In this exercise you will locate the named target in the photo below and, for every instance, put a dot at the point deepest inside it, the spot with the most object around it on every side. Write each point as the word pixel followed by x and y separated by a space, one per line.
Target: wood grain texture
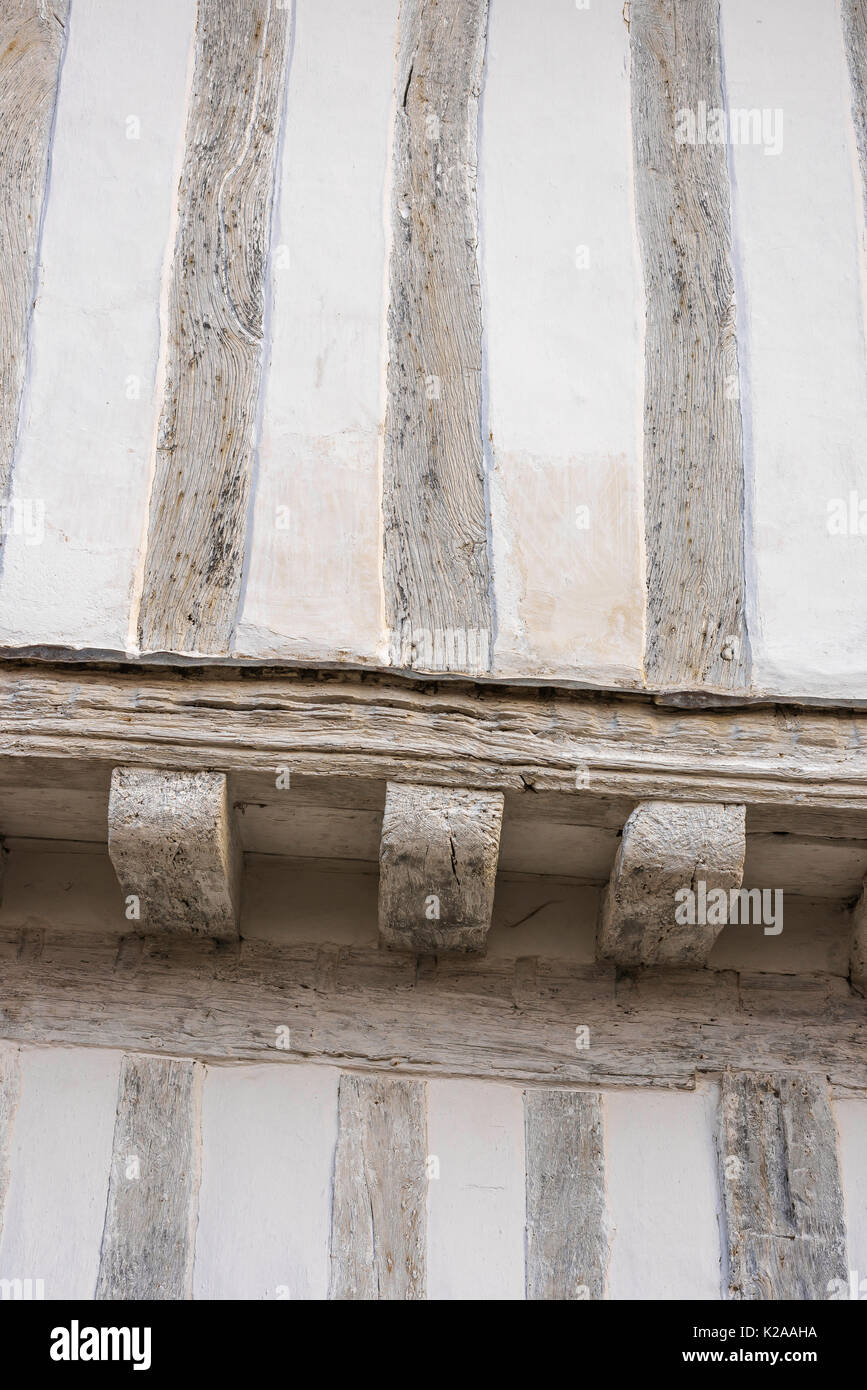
pixel 858 943
pixel 666 847
pixel 437 868
pixel 174 846
pixel 10 1090
pixel 854 17
pixel 696 629
pixel 198 507
pixel 782 1197
pixel 567 1228
pixel 31 48
pixel 436 559
pixel 378 1223
pixel 150 1220
pixel 807 767
pixel 377 1010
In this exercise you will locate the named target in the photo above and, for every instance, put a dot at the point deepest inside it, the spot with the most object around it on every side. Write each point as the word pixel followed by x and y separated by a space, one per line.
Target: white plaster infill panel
pixel 797 223
pixel 82 472
pixel 313 580
pixel 562 304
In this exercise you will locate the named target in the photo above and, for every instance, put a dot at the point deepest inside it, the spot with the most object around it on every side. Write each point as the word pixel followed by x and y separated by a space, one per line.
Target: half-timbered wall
pixel 469 335
pixel 433 537
pixel 292 1181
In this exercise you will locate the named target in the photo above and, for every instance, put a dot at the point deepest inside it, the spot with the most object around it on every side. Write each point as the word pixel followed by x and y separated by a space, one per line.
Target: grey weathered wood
pixel 854 16
pixel 31 47
pixel 378 1010
pixel 858 943
pixel 10 1091
pixel 567 1224
pixel 437 868
pixel 150 1221
pixel 199 500
pixel 808 763
pixel 436 559
pixel 667 846
pixel 782 1196
pixel 693 459
pixel 174 845
pixel 378 1218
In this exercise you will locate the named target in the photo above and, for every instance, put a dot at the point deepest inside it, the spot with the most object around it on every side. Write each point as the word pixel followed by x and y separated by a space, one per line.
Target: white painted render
pixel 663 1194
pixel 564 370
pixel 60 1162
pixel 268 1137
pixel 94 388
pixel 476 1197
pixel 313 586
pixel 851 1118
pixel 798 216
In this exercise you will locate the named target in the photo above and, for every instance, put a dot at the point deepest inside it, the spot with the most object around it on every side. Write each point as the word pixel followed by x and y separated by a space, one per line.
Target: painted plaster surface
pixel 313 583
pixel 86 436
pixel 797 219
pixel 563 308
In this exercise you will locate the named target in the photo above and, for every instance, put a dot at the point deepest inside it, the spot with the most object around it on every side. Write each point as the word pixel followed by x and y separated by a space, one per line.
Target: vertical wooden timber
pixel 434 508
pixel 198 507
pixel 782 1195
pixel 31 46
pixel 567 1234
pixel 10 1090
pixel 379 1219
pixel 693 457
pixel 854 13
pixel 150 1219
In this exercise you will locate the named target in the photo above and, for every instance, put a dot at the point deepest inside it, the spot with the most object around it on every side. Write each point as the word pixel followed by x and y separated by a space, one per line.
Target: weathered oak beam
pixel 811 763
pixel 785 1234
pixel 693 453
pixel 854 16
pixel 378 1215
pixel 567 1224
pixel 198 508
pixel 175 849
pixel 858 943
pixel 667 847
pixel 150 1222
pixel 377 1011
pixel 436 560
pixel 437 867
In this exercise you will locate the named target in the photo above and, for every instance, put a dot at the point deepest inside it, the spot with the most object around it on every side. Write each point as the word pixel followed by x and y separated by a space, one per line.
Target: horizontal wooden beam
pixel 669 850
pixel 374 1010
pixel 461 735
pixel 437 868
pixel 175 850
